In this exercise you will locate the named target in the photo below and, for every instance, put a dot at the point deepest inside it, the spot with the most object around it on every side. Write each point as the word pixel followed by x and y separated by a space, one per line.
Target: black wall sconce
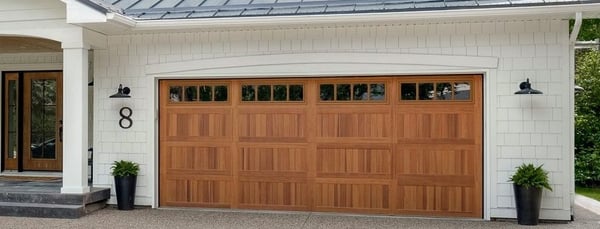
pixel 526 89
pixel 122 92
pixel 125 112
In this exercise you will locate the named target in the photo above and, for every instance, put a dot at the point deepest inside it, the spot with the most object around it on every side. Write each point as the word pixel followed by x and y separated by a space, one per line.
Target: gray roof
pixel 188 9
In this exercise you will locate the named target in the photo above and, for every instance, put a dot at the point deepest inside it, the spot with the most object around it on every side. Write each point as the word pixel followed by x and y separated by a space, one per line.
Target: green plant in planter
pixel 528 182
pixel 124 168
pixel 528 175
pixel 125 173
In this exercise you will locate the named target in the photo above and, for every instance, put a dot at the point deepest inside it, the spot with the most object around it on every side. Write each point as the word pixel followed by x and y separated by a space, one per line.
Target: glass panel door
pixel 42 121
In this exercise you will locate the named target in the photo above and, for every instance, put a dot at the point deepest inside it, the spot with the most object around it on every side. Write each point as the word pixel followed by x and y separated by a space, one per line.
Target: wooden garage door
pixel 389 145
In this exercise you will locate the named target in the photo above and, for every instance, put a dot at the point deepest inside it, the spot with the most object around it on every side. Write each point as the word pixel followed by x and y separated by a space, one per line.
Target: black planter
pixel 528 202
pixel 125 189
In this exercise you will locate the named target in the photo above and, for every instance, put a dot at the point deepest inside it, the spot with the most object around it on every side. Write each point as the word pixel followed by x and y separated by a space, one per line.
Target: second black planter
pixel 125 190
pixel 528 201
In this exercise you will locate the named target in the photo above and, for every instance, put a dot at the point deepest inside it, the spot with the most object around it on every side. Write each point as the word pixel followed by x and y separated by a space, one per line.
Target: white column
pixel 75 120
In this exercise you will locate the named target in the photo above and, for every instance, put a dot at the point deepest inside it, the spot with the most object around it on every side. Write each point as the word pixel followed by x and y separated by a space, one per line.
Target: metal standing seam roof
pixel 189 9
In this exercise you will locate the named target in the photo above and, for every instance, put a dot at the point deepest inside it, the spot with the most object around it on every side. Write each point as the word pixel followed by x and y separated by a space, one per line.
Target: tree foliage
pixel 587 118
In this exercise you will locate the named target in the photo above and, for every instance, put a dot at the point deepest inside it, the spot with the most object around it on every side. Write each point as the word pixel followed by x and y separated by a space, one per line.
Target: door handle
pixel 60 130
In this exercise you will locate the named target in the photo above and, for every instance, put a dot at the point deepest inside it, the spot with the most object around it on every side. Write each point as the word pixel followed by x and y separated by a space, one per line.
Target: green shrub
pixel 124 168
pixel 528 175
pixel 587 168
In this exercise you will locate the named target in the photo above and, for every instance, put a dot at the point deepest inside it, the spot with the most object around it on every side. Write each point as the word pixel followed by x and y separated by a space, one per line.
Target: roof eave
pixel 592 9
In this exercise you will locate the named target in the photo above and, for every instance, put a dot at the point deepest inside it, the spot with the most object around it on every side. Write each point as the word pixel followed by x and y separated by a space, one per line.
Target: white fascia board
pixel 78 12
pixel 555 11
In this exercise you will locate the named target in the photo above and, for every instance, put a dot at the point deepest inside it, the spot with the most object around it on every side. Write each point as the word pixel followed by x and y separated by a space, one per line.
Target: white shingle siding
pixel 518 128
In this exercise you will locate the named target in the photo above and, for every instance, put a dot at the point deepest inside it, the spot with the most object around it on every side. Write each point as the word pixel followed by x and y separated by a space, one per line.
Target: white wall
pixel 517 128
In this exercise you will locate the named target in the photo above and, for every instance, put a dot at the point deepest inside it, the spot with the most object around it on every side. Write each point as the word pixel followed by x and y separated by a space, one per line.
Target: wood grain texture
pixel 386 156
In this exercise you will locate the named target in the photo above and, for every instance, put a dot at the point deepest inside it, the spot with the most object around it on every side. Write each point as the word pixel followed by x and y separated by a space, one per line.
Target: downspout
pixel 571 93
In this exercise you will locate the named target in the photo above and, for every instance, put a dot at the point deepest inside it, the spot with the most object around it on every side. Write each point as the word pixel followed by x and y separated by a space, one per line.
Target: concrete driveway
pixel 194 218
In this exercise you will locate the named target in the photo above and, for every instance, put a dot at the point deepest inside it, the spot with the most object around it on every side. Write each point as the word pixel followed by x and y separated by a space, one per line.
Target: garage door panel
pixel 272 126
pixel 358 161
pixel 272 159
pixel 354 124
pixel 438 127
pixel 435 161
pixel 352 197
pixel 198 192
pixel 198 159
pixel 275 194
pixel 439 200
pixel 198 124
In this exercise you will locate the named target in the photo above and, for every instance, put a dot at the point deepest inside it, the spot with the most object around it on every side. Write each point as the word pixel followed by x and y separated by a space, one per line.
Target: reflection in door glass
pixel 443 91
pixel 425 91
pixel 408 91
pixel 248 93
pixel 377 91
pixel 326 92
pixel 175 94
pixel 296 92
pixel 221 93
pixel 279 92
pixel 462 91
pixel 43 119
pixel 360 92
pixel 191 93
pixel 343 92
pixel 205 93
pixel 264 93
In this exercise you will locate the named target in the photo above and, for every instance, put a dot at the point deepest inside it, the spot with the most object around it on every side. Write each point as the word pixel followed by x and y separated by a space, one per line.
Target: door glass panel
pixel 443 91
pixel 408 91
pixel 205 93
pixel 43 119
pixel 326 92
pixel 12 119
pixel 248 93
pixel 425 91
pixel 462 91
pixel 175 94
pixel 264 93
pixel 280 92
pixel 361 92
pixel 377 91
pixel 221 93
pixel 343 92
pixel 296 92
pixel 191 93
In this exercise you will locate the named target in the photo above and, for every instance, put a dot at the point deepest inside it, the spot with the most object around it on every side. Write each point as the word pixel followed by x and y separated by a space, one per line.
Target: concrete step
pixel 95 195
pixel 41 210
pixel 52 205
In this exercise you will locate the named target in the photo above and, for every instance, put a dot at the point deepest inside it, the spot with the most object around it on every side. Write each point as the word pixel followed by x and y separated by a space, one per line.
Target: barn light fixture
pixel 122 92
pixel 526 89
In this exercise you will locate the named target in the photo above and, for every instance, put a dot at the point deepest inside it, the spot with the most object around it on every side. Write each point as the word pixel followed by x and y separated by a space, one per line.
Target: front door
pixel 33 121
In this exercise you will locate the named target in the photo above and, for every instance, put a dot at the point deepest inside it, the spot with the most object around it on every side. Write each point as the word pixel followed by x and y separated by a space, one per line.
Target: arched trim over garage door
pixel 331 63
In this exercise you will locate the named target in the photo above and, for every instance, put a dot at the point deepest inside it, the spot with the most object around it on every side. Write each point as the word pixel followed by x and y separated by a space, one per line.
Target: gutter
pixel 227 22
pixel 576 28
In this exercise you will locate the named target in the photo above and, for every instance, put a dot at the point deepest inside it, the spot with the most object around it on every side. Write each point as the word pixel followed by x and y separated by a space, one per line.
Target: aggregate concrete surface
pixel 148 218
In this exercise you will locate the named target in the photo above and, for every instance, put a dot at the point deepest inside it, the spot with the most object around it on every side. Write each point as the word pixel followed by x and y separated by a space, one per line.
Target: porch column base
pixel 75 190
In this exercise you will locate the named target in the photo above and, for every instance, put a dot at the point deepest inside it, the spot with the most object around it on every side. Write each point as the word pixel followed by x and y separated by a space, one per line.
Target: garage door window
pixel 358 92
pixel 272 93
pixel 425 91
pixel 198 93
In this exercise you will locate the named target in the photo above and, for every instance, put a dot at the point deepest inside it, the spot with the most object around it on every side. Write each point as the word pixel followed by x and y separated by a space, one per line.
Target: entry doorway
pixel 32 121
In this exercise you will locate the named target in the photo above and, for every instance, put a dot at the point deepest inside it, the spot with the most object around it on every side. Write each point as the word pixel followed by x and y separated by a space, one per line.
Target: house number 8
pixel 125 113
